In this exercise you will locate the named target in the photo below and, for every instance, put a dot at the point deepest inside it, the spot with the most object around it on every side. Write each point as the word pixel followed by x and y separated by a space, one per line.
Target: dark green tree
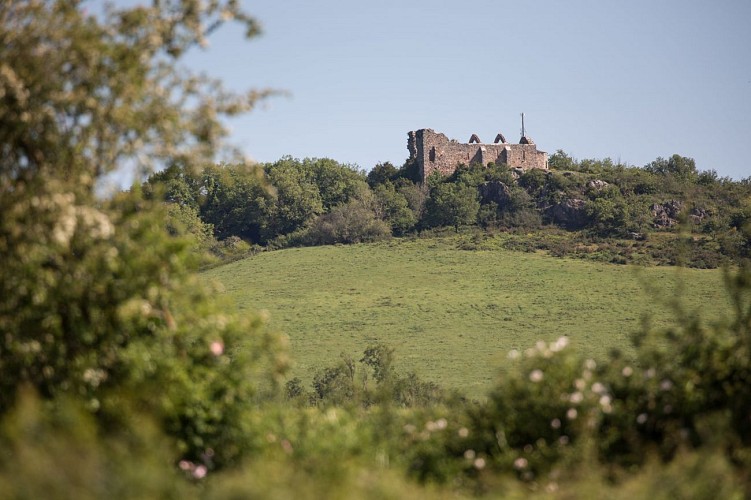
pixel 337 183
pixel 394 208
pixel 680 167
pixel 236 201
pixel 561 161
pixel 296 200
pixel 381 174
pixel 452 204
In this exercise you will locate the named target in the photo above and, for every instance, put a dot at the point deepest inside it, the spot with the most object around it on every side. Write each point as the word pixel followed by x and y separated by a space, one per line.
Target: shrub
pixel 353 222
pixel 86 313
pixel 394 209
pixel 452 204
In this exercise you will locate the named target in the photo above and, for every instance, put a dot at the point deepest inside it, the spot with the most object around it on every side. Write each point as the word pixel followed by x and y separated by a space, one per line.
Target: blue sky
pixel 627 80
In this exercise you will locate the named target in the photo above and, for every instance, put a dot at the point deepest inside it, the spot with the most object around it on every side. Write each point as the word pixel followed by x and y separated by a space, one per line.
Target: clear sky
pixel 628 80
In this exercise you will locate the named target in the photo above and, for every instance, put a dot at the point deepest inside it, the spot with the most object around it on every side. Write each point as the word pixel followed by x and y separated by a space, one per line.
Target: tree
pixel 452 204
pixel 297 199
pixel 184 220
pixel 394 208
pixel 352 222
pixel 381 174
pixel 98 302
pixel 83 94
pixel 680 167
pixel 236 201
pixel 175 184
pixel 337 183
pixel 561 161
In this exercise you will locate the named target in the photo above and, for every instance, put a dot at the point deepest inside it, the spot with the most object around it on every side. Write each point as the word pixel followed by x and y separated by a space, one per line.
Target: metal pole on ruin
pixel 523 134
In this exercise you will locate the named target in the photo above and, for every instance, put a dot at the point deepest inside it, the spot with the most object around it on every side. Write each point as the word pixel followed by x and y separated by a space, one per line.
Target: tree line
pixel 231 208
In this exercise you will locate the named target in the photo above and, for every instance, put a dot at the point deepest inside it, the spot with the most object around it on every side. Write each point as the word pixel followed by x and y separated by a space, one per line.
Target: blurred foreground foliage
pixel 99 305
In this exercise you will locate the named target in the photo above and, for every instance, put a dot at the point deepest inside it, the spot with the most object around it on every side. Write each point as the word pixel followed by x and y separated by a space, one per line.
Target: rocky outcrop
pixel 666 214
pixel 697 215
pixel 496 192
pixel 570 213
pixel 597 184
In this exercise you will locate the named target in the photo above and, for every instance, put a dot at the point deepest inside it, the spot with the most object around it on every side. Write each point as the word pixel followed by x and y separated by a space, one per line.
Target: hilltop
pixel 667 212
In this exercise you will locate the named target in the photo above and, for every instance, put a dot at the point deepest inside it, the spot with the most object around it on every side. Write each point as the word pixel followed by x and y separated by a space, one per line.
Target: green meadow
pixel 452 314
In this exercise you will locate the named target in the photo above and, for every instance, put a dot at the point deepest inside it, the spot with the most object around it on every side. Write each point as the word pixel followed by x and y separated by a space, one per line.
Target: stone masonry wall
pixel 434 152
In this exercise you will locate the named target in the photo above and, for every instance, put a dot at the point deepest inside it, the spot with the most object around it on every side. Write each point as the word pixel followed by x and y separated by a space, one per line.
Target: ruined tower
pixel 434 152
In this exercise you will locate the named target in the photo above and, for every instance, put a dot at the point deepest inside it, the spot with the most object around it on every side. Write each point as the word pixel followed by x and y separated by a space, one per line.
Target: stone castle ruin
pixel 434 152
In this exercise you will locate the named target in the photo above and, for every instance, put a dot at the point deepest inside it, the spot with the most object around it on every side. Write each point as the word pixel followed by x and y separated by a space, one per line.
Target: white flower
pixel 536 375
pixel 94 376
pixel 520 463
pixel 479 463
pixel 469 454
pixel 641 419
pixel 555 423
pixel 559 344
pixel 627 371
pixel 513 354
pixel 571 414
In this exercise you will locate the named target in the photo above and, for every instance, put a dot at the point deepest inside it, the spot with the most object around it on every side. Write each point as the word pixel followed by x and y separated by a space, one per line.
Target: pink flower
pixel 200 472
pixel 217 348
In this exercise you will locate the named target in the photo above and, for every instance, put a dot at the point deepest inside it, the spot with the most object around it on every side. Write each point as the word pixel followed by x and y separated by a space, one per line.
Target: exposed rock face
pixel 569 213
pixel 597 184
pixel 697 215
pixel 495 191
pixel 666 214
pixel 517 172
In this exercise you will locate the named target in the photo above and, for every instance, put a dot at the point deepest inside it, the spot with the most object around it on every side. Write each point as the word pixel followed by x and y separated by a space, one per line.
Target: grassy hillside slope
pixel 453 314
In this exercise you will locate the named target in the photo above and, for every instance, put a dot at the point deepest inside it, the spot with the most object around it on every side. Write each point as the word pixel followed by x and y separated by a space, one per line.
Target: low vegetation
pixel 453 313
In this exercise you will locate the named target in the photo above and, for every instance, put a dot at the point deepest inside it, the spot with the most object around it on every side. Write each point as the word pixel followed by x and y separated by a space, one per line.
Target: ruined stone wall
pixel 434 152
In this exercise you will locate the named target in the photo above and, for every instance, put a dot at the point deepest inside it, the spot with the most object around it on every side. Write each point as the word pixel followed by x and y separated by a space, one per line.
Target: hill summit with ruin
pixel 434 152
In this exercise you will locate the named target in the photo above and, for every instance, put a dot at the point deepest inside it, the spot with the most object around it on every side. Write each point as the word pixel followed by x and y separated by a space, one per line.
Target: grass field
pixel 453 314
